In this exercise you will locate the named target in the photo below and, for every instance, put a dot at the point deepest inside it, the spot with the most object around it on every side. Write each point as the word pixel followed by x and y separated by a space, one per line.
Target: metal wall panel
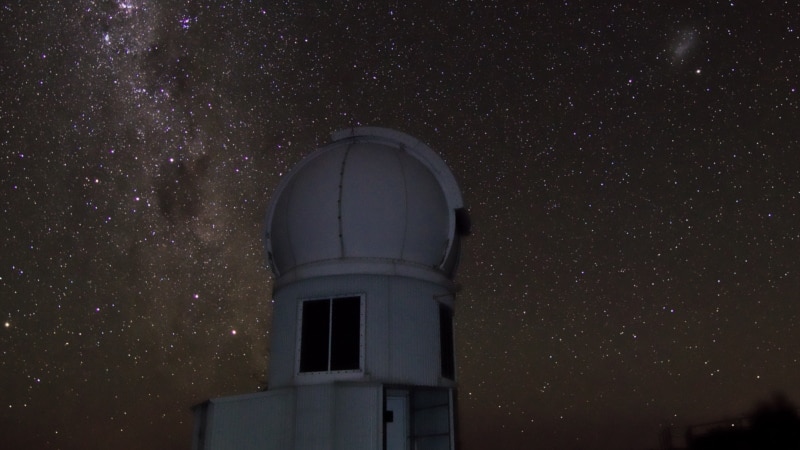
pixel 313 422
pixel 376 329
pixel 260 421
pixel 358 417
pixel 413 332
pixel 282 343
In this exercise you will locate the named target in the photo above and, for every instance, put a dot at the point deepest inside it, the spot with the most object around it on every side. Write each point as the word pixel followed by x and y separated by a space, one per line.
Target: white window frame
pixel 327 374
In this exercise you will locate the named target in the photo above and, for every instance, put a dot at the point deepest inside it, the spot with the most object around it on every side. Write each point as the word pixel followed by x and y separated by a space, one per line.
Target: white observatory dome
pixel 374 201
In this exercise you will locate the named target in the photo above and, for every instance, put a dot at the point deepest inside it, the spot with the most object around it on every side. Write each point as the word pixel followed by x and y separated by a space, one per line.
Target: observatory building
pixel 363 237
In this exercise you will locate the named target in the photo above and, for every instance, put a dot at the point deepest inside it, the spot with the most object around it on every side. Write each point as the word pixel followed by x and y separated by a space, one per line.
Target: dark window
pixel 345 333
pixel 330 336
pixel 446 342
pixel 314 340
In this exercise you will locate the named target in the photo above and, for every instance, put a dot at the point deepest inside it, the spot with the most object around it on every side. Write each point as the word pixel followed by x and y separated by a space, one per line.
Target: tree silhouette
pixel 772 425
pixel 776 425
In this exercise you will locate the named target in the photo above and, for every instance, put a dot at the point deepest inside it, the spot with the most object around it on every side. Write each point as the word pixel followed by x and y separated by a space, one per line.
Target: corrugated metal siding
pixel 250 422
pixel 413 333
pixel 314 426
pixel 377 356
pixel 358 417
pixel 283 343
pixel 340 416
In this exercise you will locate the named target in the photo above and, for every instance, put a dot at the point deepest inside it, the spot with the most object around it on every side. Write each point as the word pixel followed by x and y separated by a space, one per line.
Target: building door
pixel 396 418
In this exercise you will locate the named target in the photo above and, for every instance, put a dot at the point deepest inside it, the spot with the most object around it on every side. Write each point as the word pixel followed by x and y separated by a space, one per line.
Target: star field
pixel 632 172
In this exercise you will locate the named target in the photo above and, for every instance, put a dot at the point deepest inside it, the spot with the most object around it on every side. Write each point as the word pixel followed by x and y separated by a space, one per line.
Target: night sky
pixel 632 170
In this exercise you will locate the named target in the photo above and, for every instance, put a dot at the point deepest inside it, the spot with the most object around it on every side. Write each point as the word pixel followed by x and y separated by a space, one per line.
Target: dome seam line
pixel 339 199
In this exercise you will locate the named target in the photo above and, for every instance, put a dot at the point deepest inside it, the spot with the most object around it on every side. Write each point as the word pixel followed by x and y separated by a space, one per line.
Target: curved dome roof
pixel 373 201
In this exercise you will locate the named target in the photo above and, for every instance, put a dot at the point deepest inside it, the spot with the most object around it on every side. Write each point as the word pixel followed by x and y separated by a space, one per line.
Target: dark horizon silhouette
pixel 772 424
